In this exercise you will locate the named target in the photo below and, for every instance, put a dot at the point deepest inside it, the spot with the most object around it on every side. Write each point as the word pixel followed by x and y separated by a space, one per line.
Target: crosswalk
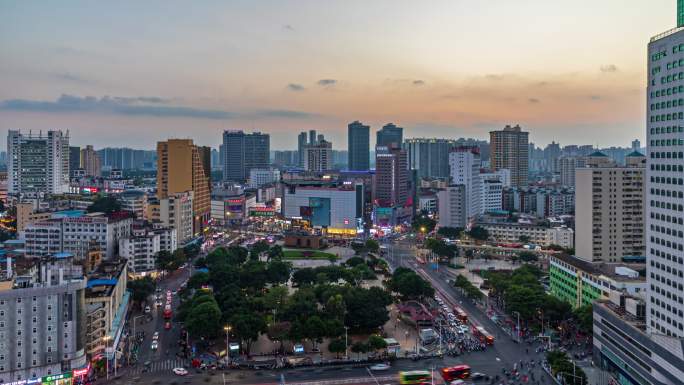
pixel 160 366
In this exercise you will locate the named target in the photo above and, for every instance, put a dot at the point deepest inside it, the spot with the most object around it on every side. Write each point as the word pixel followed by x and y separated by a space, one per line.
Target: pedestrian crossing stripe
pixel 158 366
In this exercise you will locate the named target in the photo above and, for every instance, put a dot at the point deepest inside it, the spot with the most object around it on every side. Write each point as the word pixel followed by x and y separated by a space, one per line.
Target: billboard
pixel 320 211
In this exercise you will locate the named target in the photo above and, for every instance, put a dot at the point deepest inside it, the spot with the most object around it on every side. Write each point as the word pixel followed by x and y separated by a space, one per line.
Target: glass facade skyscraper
pixel 359 146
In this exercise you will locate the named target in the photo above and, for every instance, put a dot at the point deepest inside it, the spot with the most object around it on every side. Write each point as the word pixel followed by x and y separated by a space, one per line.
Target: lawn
pixel 307 254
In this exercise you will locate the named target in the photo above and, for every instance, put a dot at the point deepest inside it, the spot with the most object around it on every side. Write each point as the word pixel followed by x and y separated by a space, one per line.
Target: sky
pixel 131 73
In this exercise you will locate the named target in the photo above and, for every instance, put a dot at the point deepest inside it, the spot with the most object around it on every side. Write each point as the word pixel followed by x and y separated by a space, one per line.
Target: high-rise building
pixel 318 156
pixel 301 143
pixel 37 163
pixel 551 154
pixel 609 208
pixel 391 176
pixel 261 176
pixel 127 158
pixel 509 149
pixel 636 145
pixel 181 167
pixel 464 163
pixel 90 161
pixel 359 146
pixel 567 166
pixel 243 152
pixel 74 159
pixel 389 135
pixel 312 136
pixel 429 157
pixel 452 206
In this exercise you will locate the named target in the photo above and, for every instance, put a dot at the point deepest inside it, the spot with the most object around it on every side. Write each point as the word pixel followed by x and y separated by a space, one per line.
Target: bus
pixel 483 335
pixel 167 313
pixel 460 314
pixel 414 377
pixel 458 372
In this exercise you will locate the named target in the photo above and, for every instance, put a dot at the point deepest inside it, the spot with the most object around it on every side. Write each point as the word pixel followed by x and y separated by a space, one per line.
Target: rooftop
pixel 603 268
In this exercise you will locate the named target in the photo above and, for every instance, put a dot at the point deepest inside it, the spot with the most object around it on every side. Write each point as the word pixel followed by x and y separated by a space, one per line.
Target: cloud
pixel 609 68
pixel 70 77
pixel 418 82
pixel 288 27
pixel 138 106
pixel 533 100
pixel 295 87
pixel 595 97
pixel 326 82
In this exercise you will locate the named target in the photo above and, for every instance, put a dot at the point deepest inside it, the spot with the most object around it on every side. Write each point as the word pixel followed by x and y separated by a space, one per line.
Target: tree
pixel 524 239
pixel 372 245
pixel 204 319
pixel 366 308
pixel 198 280
pixel 479 233
pixel 450 232
pixel 423 224
pixel 141 288
pixel 257 249
pixel 354 261
pixel 104 204
pixel 411 286
pixel 585 318
pixel 316 329
pixel 375 343
pixel 276 253
pixel 527 256
pixel 302 277
pixel 247 326
pixel 278 271
pixel 359 347
pixel 337 346
pixel 524 300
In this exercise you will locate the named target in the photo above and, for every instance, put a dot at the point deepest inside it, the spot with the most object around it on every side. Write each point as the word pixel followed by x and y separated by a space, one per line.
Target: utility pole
pixel 346 344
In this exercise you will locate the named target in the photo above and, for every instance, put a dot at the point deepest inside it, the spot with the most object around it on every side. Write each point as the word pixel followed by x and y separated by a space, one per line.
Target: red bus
pixel 167 313
pixel 458 372
pixel 460 314
pixel 483 335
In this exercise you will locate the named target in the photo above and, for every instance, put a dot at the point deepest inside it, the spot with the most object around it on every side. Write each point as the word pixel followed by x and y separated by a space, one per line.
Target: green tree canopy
pixel 141 288
pixel 204 320
pixel 479 233
pixel 104 204
pixel 450 232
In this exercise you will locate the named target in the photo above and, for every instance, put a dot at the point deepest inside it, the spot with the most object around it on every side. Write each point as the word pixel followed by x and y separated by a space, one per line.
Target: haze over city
pixel 130 73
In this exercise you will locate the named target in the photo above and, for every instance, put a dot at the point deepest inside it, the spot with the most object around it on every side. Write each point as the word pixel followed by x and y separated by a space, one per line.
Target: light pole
pixel 134 337
pixel 106 340
pixel 518 327
pixel 227 328
pixel 346 344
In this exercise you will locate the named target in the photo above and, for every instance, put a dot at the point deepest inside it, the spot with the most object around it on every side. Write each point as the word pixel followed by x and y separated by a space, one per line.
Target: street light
pixel 106 355
pixel 518 328
pixel 346 354
pixel 227 328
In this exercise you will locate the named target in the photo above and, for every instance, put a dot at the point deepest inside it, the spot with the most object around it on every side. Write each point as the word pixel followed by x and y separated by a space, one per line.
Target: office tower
pixel 90 161
pixel 359 146
pixel 182 167
pixel 37 163
pixel 464 164
pixel 318 156
pixel 301 143
pixel 636 145
pixel 244 152
pixel 610 208
pixel 43 317
pixel 340 158
pixel 429 157
pixel 320 138
pixel 389 135
pixel 74 158
pixel 510 150
pixel 451 203
pixel 567 166
pixel 391 176
pixel 312 136
pixel 127 158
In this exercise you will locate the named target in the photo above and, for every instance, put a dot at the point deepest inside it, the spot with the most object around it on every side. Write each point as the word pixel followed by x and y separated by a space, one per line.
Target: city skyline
pixel 253 69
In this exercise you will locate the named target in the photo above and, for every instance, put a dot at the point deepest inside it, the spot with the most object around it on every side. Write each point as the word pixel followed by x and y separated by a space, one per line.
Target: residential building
pixel 567 166
pixel 503 175
pixel 358 136
pixel 453 209
pixel 37 164
pixel 338 209
pixel 140 249
pixel 90 161
pixel 429 157
pixel 106 305
pixel 261 176
pixel 428 203
pixel 391 192
pixel 389 135
pixel 44 320
pixel 492 195
pixel 286 158
pixel 580 283
pixel 74 159
pixel 514 232
pixel 510 150
pixel 318 156
pixel 134 201
pixel 127 158
pixel 312 136
pixel 464 165
pixel 243 152
pixel 540 201
pixel 174 211
pixel 182 167
pixel 301 143
pixel 610 208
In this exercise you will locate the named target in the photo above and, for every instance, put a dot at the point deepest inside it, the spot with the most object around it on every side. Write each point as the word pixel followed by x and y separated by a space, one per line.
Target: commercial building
pixel 37 164
pixel 429 157
pixel 301 143
pixel 389 135
pixel 318 156
pixel 510 150
pixel 243 152
pixel 134 201
pixel 503 175
pixel 453 210
pixel 261 176
pixel 492 194
pixel 464 165
pixel 77 234
pixel 580 283
pixel 106 305
pixel 182 167
pixel 174 211
pixel 358 136
pixel 526 230
pixel 230 204
pixel 391 192
pixel 336 208
pixel 610 208
pixel 90 161
pixel 43 318
pixel 427 202
pixel 74 159
pixel 140 249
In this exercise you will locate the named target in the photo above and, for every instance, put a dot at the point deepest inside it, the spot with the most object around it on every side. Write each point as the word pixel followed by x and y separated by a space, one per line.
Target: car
pixel 155 336
pixel 458 382
pixel 167 326
pixel 155 345
pixel 477 376
pixel 180 371
pixel 147 309
pixel 379 367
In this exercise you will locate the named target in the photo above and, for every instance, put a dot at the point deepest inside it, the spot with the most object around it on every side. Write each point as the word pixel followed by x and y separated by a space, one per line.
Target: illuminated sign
pixel 81 372
pixel 56 377
pixel 261 212
pixel 235 200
